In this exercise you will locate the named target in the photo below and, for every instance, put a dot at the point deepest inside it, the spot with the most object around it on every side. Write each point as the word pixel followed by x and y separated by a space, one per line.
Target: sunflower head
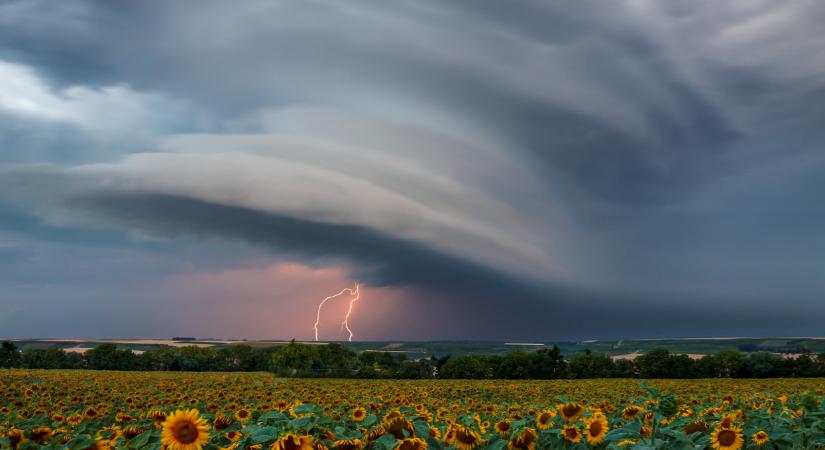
pixel 544 420
pixel 242 415
pixel 698 425
pixel 463 437
pixel 41 434
pixel 185 430
pixel 595 428
pixel 411 444
pixel 157 416
pixel 570 411
pixel 15 435
pixel 524 440
pixel 358 414
pixel 726 439
pixel 632 411
pixel 221 422
pixel 348 444
pixel 571 433
pixel 728 421
pixel 400 428
pixel 760 437
pixel 293 442
pixel 502 427
pixel 130 432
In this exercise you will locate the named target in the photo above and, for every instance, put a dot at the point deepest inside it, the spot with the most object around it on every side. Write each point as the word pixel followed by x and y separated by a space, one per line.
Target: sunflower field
pixel 77 409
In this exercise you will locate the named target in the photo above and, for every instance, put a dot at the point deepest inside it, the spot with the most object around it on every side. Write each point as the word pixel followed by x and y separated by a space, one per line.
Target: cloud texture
pixel 531 170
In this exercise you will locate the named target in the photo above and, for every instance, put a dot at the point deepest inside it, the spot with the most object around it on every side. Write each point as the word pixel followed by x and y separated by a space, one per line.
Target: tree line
pixel 334 360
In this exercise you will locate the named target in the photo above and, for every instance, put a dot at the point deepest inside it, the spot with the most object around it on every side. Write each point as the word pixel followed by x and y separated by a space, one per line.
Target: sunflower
pixel 726 439
pixel 243 415
pixel 543 420
pixel 760 437
pixel 281 405
pixel 524 440
pixel 434 433
pixel 632 411
pixel 74 419
pixel 15 435
pixel 130 432
pixel 41 434
pixel 571 433
pixel 358 414
pixel 293 442
pixel 123 417
pixel 374 434
pixel 157 416
pixel 101 444
pixel 234 435
pixel 411 444
pixel 595 428
pixel 728 421
pixel 398 426
pixel 328 435
pixel 348 444
pixel 221 422
pixel 392 415
pixel 502 427
pixel 570 411
pixel 463 437
pixel 698 425
pixel 185 430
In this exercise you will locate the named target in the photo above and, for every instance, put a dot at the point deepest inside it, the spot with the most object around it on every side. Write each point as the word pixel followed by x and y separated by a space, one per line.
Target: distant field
pixel 81 409
pixel 618 348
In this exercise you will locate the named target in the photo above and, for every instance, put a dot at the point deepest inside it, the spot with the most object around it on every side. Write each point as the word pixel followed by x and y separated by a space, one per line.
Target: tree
pixel 728 363
pixel 761 365
pixel 624 368
pixel 107 356
pixel 9 355
pixel 654 364
pixel 513 366
pixel 159 358
pixel 465 367
pixel 548 364
pixel 294 360
pixel 591 365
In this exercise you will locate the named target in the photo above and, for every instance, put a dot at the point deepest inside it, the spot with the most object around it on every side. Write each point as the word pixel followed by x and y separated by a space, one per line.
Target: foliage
pixel 334 360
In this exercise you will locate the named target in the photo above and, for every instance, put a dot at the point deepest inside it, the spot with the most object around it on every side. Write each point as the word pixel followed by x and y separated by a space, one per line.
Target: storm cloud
pixel 653 168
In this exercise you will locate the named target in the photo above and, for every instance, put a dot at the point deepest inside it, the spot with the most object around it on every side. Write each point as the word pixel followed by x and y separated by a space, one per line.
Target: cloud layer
pixel 651 168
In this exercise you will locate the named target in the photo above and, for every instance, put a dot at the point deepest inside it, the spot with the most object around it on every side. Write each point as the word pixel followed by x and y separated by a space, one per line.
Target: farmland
pixel 99 409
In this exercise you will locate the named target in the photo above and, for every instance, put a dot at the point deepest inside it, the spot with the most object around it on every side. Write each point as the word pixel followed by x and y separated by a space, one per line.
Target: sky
pixel 484 170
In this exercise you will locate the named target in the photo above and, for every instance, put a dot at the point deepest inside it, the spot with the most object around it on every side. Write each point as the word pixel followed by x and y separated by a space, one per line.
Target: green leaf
pixel 385 442
pixel 369 420
pixel 262 434
pixel 140 440
pixel 80 442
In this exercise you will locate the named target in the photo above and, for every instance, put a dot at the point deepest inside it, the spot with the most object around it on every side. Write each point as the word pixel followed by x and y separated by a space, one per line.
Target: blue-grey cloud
pixel 633 156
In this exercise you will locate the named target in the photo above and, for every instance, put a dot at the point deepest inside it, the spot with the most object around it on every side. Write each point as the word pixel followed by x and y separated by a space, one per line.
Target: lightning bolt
pixel 345 324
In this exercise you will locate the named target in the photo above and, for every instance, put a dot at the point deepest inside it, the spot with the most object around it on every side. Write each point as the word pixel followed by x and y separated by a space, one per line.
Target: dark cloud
pixel 666 157
pixel 480 302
